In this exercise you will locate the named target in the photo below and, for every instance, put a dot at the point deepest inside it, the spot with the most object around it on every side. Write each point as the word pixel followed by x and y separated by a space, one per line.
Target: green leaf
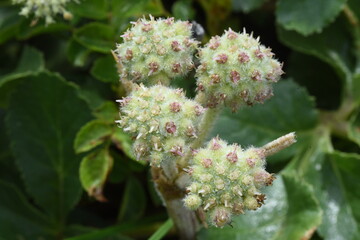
pixel 77 54
pixel 134 201
pixel 290 212
pixel 91 135
pixel 183 10
pixel 104 69
pixel 108 112
pixel 291 109
pixel 163 230
pixel 333 46
pixel 354 128
pixel 9 23
pixel 317 75
pixel 125 9
pixel 246 5
pixel 20 220
pixel 8 169
pixel 44 116
pixel 123 142
pixel 93 9
pixel 335 180
pixel 26 31
pixel 96 36
pixel 94 170
pixel 30 62
pixel 307 16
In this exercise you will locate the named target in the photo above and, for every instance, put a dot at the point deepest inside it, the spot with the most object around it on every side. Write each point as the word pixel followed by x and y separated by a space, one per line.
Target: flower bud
pixel 226 182
pixel 155 51
pixel 162 121
pixel 236 70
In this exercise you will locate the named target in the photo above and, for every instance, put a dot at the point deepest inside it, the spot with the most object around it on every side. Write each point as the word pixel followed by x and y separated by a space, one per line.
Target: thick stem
pixel 185 220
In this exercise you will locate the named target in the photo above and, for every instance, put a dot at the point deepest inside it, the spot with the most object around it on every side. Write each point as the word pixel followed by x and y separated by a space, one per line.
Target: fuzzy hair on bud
pixel 164 46
pixel 236 70
pixel 228 180
pixel 162 121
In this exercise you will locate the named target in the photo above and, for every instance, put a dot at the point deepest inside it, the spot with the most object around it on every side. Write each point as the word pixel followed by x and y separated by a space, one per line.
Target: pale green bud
pixel 236 70
pixel 156 51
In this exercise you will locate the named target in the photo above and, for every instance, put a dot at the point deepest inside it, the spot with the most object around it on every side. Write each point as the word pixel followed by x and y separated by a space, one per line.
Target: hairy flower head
pixel 236 70
pixel 156 50
pixel 162 120
pixel 226 181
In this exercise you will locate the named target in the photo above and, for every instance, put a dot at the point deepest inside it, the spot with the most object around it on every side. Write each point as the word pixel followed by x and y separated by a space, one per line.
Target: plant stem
pixel 205 127
pixel 279 144
pixel 184 220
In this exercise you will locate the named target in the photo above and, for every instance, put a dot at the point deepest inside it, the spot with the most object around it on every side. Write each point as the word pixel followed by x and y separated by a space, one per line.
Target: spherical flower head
pixel 156 50
pixel 226 181
pixel 236 70
pixel 162 120
pixel 44 9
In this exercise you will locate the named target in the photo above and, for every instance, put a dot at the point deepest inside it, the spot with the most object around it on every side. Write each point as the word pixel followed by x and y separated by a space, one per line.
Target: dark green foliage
pixel 59 83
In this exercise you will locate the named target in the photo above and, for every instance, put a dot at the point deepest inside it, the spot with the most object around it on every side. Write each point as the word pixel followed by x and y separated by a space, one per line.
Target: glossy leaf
pixel 307 16
pixel 290 212
pixel 134 200
pixel 333 46
pixel 91 135
pixel 289 110
pixel 94 170
pixel 96 36
pixel 335 180
pixel 20 220
pixel 44 116
pixel 104 69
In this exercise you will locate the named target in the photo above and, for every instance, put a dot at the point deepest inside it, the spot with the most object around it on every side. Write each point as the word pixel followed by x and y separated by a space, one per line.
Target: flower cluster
pixel 44 8
pixel 237 70
pixel 163 121
pixel 226 180
pixel 155 51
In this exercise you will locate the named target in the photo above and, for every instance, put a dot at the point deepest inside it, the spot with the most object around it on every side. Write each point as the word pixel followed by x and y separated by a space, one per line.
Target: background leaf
pixel 20 220
pixel 291 109
pixel 333 46
pixel 42 129
pixel 134 201
pixel 96 36
pixel 104 69
pixel 246 5
pixel 30 62
pixel 307 16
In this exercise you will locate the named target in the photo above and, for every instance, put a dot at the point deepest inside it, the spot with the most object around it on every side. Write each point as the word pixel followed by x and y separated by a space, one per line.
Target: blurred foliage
pixel 58 86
